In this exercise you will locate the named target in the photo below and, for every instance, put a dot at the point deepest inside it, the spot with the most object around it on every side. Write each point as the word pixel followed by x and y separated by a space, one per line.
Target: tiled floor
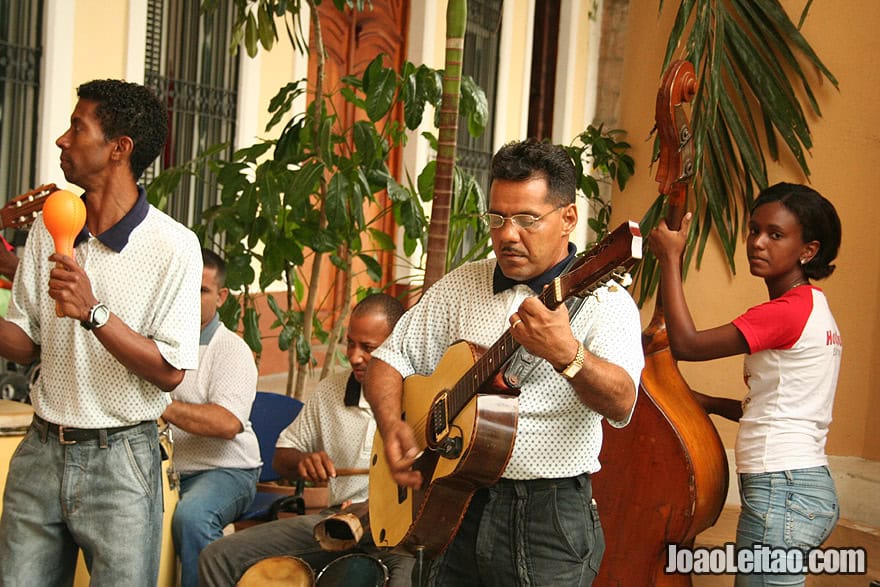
pixel 846 534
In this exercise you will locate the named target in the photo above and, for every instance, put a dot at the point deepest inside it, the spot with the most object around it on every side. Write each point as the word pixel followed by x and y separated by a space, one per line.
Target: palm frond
pixel 755 71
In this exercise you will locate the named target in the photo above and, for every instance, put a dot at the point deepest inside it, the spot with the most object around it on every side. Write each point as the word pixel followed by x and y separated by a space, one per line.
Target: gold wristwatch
pixel 576 365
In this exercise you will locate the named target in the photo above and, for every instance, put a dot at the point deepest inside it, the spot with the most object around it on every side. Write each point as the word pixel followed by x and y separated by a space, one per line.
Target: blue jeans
pixel 106 501
pixel 785 509
pixel 209 500
pixel 539 533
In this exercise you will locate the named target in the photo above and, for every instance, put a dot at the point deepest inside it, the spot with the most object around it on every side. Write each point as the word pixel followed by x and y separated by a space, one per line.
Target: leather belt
pixel 541 484
pixel 69 435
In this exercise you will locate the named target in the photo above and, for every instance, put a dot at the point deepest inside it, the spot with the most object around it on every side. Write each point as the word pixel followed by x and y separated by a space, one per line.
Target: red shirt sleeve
pixel 777 324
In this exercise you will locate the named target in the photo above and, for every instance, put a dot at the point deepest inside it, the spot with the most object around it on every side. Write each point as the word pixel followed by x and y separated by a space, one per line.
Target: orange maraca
pixel 64 215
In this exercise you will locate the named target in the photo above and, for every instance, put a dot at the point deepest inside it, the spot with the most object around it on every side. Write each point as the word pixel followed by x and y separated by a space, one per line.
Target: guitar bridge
pixel 439 420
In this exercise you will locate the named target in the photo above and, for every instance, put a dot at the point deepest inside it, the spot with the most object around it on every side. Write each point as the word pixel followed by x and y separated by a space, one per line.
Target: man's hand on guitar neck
pixel 545 333
pixel 603 386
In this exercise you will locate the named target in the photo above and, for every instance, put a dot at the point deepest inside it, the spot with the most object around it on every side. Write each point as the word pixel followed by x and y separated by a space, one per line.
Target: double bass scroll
pixel 664 477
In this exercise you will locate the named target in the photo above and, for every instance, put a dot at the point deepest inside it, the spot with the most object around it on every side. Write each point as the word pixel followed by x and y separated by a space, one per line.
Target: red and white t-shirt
pixel 791 371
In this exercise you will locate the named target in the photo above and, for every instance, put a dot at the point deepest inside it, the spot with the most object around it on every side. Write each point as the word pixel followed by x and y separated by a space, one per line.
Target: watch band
pixel 576 365
pixel 99 314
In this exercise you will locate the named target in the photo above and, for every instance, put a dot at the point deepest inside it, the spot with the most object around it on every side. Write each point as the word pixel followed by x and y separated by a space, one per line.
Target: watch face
pixel 101 315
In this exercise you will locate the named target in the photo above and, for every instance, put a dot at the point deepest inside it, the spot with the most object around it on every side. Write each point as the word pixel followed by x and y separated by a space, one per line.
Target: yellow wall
pixel 100 42
pixel 844 163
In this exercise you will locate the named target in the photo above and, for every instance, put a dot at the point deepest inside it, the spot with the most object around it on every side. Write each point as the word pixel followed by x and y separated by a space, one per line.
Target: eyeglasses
pixel 522 220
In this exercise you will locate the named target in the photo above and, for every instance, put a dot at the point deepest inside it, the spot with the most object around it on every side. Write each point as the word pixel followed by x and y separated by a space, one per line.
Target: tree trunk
pixel 438 233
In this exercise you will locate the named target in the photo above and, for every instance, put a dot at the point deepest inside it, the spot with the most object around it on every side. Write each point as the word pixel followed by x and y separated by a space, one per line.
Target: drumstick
pixel 350 472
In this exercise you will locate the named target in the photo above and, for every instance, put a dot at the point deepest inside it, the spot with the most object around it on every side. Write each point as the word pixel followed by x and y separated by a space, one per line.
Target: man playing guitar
pixel 538 524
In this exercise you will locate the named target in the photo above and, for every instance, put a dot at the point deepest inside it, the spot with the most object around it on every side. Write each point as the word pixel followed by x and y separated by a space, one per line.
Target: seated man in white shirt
pixel 215 449
pixel 334 431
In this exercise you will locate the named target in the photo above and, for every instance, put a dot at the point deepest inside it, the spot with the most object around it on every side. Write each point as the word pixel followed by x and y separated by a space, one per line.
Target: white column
pixel 56 91
pixel 136 51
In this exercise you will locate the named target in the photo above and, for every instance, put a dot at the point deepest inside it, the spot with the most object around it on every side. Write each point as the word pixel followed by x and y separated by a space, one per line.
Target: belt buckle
pixel 61 438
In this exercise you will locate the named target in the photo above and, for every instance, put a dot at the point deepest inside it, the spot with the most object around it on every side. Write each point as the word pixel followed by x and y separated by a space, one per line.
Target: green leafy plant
pixel 600 158
pixel 289 203
pixel 747 56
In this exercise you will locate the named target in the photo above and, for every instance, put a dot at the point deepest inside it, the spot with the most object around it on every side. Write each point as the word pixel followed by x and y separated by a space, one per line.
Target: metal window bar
pixel 482 38
pixel 197 78
pixel 480 61
pixel 20 54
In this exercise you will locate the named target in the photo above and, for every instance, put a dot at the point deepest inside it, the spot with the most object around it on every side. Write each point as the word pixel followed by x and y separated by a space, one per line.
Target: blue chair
pixel 270 414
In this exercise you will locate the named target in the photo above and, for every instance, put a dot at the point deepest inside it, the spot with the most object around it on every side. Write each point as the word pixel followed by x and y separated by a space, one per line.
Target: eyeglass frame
pixel 486 217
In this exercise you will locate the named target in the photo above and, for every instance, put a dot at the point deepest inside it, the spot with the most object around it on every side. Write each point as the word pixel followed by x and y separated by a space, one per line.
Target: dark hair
pixel 132 110
pixel 211 260
pixel 380 303
pixel 818 220
pixel 531 159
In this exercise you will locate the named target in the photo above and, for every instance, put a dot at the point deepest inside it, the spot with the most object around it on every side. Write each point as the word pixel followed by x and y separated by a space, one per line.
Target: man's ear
pixel 569 218
pixel 123 148
pixel 222 295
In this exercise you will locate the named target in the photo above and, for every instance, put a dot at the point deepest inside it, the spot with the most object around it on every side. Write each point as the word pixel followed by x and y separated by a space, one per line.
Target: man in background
pixel 215 449
pixel 334 431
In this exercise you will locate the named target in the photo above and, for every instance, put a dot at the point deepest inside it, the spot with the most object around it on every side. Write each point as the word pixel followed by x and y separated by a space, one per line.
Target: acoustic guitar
pixel 464 417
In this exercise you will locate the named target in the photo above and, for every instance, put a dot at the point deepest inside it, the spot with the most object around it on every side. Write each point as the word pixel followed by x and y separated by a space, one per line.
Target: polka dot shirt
pixel 345 433
pixel 557 435
pixel 227 377
pixel 152 285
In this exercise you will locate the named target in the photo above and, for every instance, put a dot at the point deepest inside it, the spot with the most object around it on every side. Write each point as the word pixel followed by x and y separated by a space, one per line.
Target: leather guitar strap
pixel 522 363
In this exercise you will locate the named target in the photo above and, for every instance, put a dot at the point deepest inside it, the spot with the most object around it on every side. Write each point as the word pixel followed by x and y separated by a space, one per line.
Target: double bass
pixel 664 476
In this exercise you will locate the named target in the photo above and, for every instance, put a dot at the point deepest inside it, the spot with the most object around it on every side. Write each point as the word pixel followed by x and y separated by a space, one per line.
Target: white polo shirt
pixel 344 432
pixel 147 268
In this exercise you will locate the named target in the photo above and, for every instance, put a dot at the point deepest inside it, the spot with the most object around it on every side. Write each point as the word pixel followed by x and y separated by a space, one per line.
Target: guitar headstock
pixel 22 210
pixel 613 257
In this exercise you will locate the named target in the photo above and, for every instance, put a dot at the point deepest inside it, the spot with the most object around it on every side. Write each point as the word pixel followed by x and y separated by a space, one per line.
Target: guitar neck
pixel 612 257
pixel 22 210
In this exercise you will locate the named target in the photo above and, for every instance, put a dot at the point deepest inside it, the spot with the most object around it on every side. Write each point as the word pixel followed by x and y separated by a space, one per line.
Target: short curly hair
pixel 818 220
pixel 533 159
pixel 132 110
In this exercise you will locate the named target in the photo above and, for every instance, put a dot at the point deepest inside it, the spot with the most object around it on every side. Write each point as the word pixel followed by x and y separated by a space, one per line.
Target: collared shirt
pixel 557 434
pixel 344 432
pixel 227 377
pixel 151 283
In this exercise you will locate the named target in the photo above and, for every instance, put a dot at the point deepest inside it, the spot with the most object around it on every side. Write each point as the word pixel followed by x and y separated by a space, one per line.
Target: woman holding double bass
pixel 793 348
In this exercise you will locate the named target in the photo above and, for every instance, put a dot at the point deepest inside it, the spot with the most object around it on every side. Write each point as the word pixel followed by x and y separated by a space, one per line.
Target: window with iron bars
pixel 189 66
pixel 20 54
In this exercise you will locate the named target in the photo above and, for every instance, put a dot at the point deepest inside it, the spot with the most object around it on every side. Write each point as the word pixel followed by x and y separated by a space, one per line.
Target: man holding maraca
pixel 112 312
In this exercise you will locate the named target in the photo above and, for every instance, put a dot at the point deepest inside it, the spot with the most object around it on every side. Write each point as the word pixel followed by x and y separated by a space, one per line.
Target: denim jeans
pixel 209 500
pixel 526 533
pixel 62 498
pixel 785 509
